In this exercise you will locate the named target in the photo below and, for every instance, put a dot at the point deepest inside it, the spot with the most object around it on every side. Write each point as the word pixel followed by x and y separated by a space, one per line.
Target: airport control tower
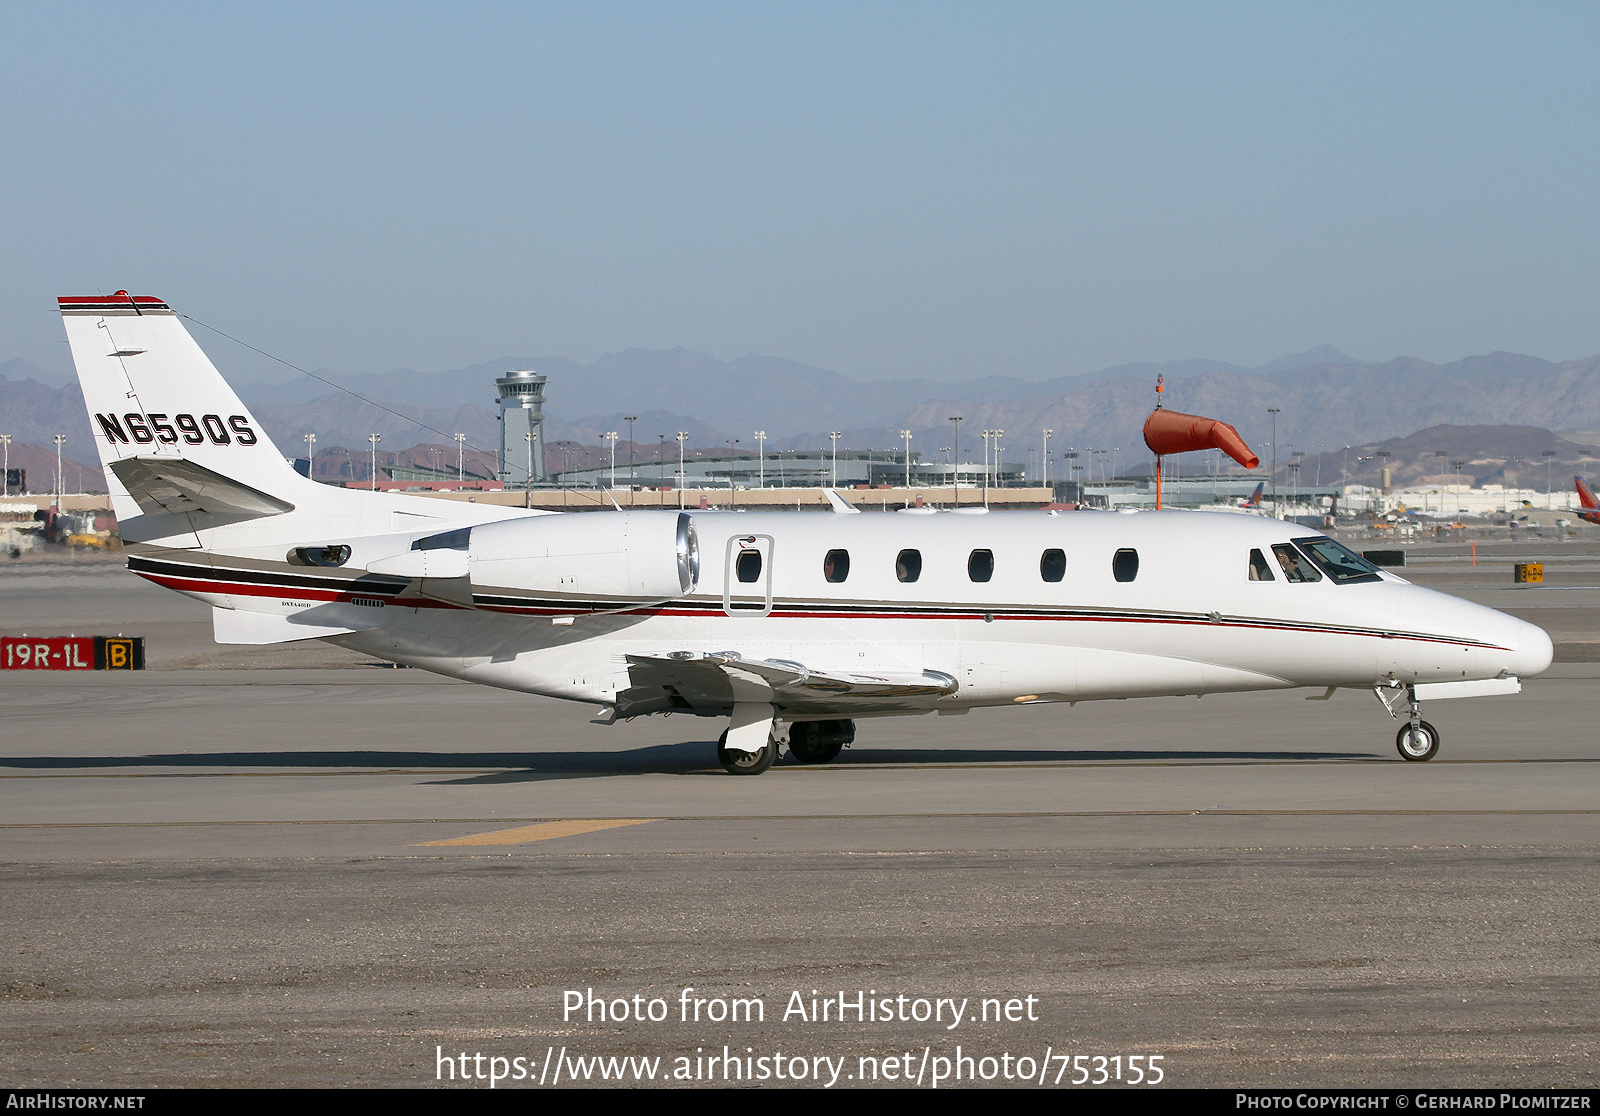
pixel 521 413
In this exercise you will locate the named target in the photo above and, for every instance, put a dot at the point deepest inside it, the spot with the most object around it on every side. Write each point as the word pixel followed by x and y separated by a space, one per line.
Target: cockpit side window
pixel 1296 566
pixel 1259 570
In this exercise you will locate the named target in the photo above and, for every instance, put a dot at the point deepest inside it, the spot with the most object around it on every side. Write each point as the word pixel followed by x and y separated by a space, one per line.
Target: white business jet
pixel 792 626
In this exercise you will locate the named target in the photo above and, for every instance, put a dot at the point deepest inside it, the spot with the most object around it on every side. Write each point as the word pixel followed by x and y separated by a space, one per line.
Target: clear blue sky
pixel 887 190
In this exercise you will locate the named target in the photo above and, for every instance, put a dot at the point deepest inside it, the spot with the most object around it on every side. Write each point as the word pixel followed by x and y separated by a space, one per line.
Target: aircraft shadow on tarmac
pixel 695 757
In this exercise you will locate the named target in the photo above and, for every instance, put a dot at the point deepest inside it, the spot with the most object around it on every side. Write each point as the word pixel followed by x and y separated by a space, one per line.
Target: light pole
pixel 311 456
pixel 611 436
pixel 630 420
pixel 1549 499
pixel 835 436
pixel 683 436
pixel 997 435
pixel 5 471
pixel 732 496
pixel 761 454
pixel 1274 412
pixel 955 460
pixel 905 436
pixel 1044 459
pixel 987 435
pixel 527 482
pixel 461 458
pixel 60 482
pixel 374 439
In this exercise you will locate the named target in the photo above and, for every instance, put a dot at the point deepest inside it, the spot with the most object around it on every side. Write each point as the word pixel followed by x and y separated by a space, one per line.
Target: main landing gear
pixel 809 742
pixel 820 741
pixel 1417 740
pixel 745 763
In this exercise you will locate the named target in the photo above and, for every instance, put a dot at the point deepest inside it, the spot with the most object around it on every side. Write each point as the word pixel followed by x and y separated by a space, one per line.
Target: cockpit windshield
pixel 1339 562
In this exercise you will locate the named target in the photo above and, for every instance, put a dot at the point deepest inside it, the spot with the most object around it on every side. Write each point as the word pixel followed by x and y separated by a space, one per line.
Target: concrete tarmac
pixel 228 870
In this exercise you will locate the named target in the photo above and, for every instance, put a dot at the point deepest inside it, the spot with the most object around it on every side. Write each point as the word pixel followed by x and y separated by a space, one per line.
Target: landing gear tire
pixel 1419 743
pixel 820 741
pixel 815 751
pixel 745 763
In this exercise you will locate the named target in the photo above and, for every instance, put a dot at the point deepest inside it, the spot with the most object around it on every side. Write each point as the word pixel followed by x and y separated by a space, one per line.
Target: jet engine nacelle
pixel 575 563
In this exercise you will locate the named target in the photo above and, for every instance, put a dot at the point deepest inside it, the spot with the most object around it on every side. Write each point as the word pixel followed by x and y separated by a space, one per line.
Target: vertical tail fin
pixel 1586 494
pixel 153 394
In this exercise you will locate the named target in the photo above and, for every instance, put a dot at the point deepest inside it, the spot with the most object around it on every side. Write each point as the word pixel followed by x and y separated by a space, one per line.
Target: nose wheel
pixel 1417 742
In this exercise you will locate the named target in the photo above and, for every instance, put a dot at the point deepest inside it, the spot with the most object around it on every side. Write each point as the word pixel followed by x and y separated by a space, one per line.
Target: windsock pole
pixel 1159 379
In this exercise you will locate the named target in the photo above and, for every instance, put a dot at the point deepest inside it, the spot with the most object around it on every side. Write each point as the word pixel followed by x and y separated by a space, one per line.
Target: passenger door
pixel 747 576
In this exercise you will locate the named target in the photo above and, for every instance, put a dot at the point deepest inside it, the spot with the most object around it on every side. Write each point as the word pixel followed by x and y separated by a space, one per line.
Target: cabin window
pixel 908 565
pixel 980 565
pixel 1053 565
pixel 836 566
pixel 1296 566
pixel 1338 561
pixel 747 568
pixel 1259 570
pixel 1125 565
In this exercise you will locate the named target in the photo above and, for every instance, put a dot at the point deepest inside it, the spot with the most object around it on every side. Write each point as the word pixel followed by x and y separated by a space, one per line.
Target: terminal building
pixel 794 469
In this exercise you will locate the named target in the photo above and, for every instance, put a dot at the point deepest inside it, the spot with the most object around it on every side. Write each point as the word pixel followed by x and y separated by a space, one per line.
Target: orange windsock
pixel 1172 432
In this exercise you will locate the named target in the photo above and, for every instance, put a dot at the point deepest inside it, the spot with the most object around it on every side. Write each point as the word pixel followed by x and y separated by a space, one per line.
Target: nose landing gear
pixel 1417 740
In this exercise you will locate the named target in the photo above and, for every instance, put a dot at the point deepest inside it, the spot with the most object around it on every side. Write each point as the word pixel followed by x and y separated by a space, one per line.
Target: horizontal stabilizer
pixel 170 484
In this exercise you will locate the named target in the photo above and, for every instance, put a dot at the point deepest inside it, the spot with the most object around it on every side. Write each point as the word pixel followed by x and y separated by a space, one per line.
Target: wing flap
pixel 713 682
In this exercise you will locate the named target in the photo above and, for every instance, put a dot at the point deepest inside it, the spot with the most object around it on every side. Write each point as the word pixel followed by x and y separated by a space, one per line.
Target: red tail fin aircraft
pixel 1591 506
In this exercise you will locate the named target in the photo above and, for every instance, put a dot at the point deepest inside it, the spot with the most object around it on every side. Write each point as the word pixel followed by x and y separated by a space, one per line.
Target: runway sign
pixel 71 652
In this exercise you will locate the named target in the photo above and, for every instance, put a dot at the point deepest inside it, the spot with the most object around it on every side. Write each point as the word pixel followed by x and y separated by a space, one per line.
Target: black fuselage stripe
pixel 791 610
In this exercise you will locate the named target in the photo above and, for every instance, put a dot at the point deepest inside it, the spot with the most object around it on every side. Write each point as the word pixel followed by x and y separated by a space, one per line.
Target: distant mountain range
pixel 1326 401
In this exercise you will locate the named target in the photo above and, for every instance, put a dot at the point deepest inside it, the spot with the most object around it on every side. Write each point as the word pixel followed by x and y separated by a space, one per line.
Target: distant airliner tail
pixel 1586 494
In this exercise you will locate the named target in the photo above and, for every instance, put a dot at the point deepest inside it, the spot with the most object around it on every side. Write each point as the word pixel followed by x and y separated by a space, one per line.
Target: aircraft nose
pixel 1534 649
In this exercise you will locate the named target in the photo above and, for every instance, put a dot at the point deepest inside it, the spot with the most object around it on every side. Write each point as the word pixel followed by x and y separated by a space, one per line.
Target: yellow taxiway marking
pixel 541 832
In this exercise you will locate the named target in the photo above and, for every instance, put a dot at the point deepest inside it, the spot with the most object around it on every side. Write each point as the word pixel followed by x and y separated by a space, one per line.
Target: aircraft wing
pixel 714 682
